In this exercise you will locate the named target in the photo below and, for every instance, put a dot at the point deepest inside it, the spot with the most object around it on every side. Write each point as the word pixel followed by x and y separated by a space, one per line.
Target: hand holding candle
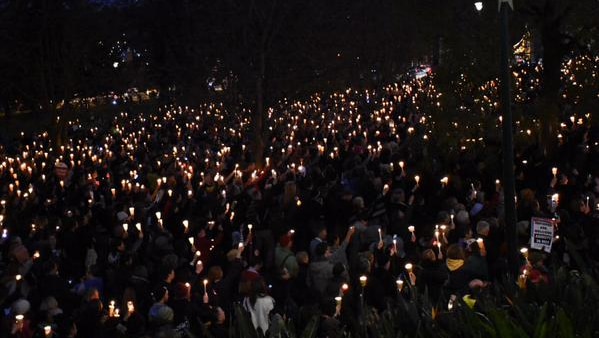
pixel 413 235
pixel 399 284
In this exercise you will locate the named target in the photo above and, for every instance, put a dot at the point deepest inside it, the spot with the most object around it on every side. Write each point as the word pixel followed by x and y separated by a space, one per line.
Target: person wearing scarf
pixel 457 282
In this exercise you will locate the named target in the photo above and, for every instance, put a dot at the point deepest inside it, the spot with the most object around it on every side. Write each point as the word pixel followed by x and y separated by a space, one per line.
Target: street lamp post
pixel 509 189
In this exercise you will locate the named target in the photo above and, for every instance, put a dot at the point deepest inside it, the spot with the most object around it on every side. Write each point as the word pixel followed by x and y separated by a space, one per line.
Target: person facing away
pixel 259 304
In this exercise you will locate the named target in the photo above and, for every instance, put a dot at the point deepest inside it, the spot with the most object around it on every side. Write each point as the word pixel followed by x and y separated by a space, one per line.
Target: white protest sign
pixel 541 234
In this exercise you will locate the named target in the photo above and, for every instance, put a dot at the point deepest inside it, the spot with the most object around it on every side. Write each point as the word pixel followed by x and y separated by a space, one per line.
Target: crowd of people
pixel 162 225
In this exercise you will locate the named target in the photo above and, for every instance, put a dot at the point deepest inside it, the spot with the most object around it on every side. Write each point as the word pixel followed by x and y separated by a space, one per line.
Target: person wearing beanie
pixel 160 314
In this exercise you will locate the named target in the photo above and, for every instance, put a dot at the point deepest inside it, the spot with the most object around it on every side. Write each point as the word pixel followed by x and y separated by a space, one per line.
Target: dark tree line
pixel 265 49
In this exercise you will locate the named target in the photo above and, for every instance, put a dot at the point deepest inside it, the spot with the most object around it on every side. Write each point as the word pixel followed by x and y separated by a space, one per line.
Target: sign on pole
pixel 541 234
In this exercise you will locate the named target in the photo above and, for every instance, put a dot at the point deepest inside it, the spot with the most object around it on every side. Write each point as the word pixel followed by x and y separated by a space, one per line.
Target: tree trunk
pixel 259 113
pixel 553 53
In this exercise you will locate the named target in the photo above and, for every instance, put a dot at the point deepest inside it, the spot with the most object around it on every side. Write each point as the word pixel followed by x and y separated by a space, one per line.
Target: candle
pixel 205 287
pixel 338 300
pixel 444 181
pixel 18 277
pixel 408 267
pixel 524 252
pixel 186 225
pixel 380 235
pixel 132 211
pixel 138 226
pixel 158 215
pixel 587 201
pixel 554 172
pixel 250 227
pixel 130 307
pixel 417 179
pixel 344 288
pixel 111 308
pixel 191 240
pixel 363 280
pixel 126 227
pixel 47 330
pixel 19 318
pixel 522 279
pixel 113 191
pixel 399 284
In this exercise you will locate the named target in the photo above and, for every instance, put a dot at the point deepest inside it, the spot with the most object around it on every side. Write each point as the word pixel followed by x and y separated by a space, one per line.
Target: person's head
pixel 338 269
pixel 455 251
pixel 92 294
pixel 328 307
pixel 286 241
pixel 256 262
pixel 66 327
pixel 428 255
pixel 215 273
pixel 483 228
pixel 160 294
pixel 50 267
pixel 302 257
pixel 93 271
pixel 166 274
pixel 321 250
pixel 321 232
pixel 358 203
pixel 462 218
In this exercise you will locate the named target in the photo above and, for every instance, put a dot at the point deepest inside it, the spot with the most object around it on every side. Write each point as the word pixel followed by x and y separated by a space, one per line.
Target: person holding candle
pixel 381 287
pixel 476 264
pixel 321 268
pixel 432 275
